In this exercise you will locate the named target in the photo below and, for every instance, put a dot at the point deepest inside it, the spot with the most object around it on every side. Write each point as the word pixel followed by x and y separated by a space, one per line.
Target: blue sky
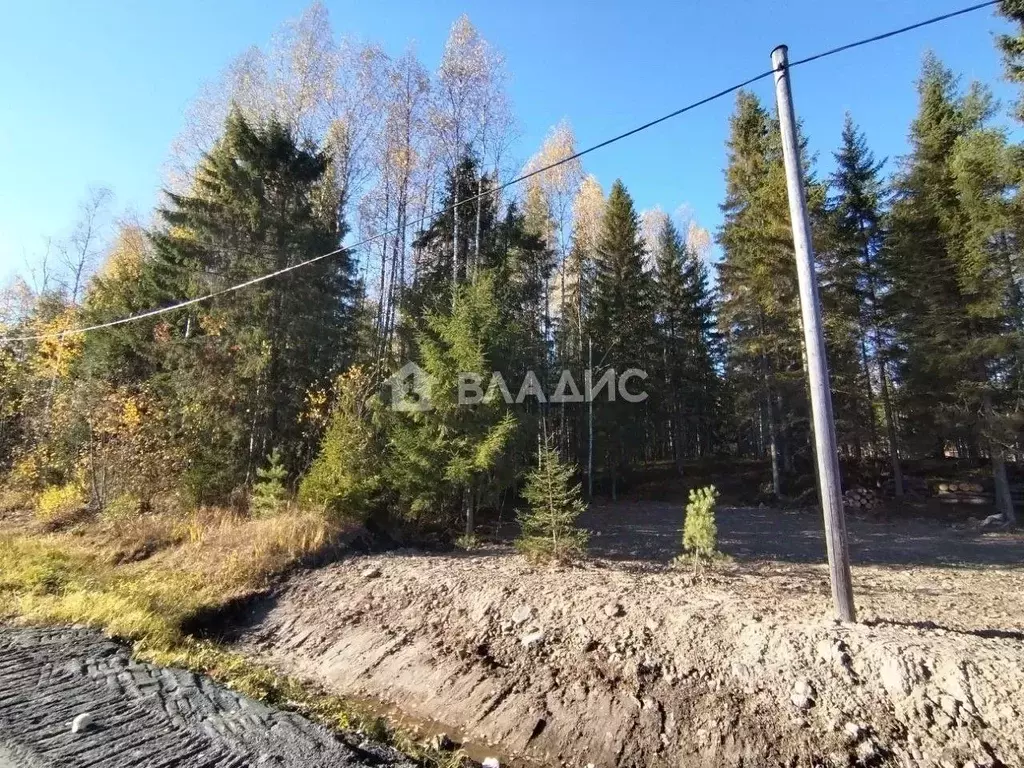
pixel 94 91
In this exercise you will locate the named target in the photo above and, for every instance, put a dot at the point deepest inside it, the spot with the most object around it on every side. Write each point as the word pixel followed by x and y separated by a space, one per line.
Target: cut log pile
pixel 861 499
pixel 963 493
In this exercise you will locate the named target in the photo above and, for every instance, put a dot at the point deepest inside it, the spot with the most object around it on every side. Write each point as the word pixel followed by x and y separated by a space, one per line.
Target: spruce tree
pixel 548 528
pixel 853 287
pixel 759 310
pixel 435 261
pixel 345 478
pixel 442 458
pixel 239 367
pixel 1012 47
pixel 927 302
pixel 622 327
pixel 954 287
pixel 683 316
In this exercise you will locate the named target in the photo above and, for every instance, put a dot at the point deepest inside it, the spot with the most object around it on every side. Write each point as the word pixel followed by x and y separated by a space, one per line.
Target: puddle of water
pixel 424 728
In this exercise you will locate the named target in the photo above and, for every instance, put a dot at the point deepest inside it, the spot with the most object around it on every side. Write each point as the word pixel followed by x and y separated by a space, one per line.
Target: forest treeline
pixel 282 389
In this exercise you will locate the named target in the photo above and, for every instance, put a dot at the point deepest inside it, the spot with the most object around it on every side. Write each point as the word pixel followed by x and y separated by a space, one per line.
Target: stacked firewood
pixel 974 488
pixel 861 499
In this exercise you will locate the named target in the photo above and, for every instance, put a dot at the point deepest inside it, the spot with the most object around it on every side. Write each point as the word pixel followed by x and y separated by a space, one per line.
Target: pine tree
pixel 269 492
pixel 548 529
pixel 621 325
pixel 700 530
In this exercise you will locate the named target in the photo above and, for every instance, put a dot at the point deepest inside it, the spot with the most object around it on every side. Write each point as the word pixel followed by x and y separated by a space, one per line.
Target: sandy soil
pixel 628 661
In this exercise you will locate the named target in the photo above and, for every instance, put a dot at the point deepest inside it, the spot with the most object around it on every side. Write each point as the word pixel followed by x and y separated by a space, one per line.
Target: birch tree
pixel 469 110
pixel 79 254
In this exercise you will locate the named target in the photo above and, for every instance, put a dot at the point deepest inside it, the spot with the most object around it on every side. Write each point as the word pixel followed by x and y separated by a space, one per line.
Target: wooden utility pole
pixel 814 345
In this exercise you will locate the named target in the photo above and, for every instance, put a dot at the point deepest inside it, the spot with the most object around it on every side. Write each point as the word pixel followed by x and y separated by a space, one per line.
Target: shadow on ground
pixel 652 531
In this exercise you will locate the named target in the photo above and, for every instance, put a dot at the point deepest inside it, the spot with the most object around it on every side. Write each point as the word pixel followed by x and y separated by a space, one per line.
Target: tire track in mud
pixel 146 716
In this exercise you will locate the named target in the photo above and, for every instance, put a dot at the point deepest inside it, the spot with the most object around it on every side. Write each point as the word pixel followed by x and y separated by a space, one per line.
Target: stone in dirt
pixel 803 694
pixel 81 722
pixel 522 615
pixel 993 521
pixel 531 639
pixel 371 573
pixel 491 762
pixel 867 751
pixel 613 610
pixel 440 743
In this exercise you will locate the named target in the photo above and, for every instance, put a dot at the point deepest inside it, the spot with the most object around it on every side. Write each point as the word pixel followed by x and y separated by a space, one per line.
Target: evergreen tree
pixel 345 479
pixel 988 263
pixel 954 287
pixel 622 326
pixel 239 368
pixel 549 531
pixel 759 311
pixel 442 457
pixel 927 302
pixel 855 285
pixel 683 315
pixel 700 530
pixel 1012 46
pixel 436 262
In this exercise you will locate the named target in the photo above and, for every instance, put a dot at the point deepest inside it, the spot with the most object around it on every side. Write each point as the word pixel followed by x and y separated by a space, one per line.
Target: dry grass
pixel 143 579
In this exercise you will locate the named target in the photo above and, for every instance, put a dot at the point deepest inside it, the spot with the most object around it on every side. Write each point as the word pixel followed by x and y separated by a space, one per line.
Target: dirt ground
pixel 628 661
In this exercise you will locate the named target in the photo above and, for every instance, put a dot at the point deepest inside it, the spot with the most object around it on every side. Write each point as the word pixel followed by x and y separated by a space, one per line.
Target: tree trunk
pixel 890 428
pixel 865 361
pixel 455 231
pixel 467 503
pixel 1004 499
pixel 773 447
pixel 479 207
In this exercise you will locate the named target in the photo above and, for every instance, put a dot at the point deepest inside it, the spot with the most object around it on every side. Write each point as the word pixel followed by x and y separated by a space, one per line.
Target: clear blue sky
pixel 92 92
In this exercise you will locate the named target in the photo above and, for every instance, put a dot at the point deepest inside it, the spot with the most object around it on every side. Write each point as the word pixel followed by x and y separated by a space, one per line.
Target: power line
pixel 895 32
pixel 523 177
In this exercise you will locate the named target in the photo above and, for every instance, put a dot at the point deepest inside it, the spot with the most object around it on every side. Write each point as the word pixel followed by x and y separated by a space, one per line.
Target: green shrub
pixel 700 532
pixel 60 504
pixel 269 492
pixel 549 531
pixel 124 506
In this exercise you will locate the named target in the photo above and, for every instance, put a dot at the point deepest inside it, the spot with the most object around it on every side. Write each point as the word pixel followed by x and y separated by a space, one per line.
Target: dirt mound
pixel 633 665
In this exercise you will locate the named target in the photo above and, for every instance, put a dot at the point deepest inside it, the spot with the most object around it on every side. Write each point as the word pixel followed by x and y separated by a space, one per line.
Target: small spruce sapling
pixel 269 492
pixel 700 532
pixel 549 531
